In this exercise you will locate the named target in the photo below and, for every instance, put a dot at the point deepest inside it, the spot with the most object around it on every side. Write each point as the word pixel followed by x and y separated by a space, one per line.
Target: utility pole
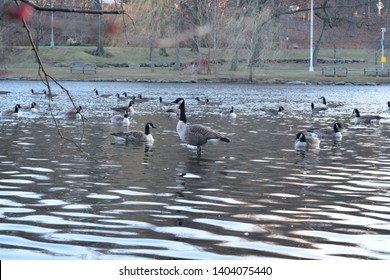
pixel 311 68
pixel 52 21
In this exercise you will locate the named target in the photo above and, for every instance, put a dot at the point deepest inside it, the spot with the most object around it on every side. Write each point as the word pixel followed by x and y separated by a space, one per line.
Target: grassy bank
pixel 124 64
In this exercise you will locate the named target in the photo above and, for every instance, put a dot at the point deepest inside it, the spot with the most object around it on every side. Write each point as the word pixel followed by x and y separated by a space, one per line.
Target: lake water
pixel 85 197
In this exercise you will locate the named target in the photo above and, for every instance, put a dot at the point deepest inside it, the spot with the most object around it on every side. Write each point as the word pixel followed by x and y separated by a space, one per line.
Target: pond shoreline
pixel 270 81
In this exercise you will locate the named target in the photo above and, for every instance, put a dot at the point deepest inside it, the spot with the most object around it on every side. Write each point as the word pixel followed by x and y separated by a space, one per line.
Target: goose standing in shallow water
pixel 135 136
pixel 365 119
pixel 305 141
pixel 328 132
pixel 195 134
pixel 12 113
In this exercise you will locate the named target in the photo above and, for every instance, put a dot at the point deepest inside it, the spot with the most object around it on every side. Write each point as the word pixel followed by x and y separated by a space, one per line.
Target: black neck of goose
pixel 147 129
pixel 182 108
pixel 336 128
pixel 16 109
pixel 357 113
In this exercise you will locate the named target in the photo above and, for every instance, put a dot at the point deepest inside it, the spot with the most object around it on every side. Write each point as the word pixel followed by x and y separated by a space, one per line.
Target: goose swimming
pixel 163 103
pixel 316 110
pixel 101 95
pixel 275 112
pixel 306 141
pixel 365 119
pixel 135 136
pixel 74 114
pixel 121 119
pixel 328 132
pixel 329 105
pixel 31 108
pixel 229 114
pixel 195 134
pixel 12 113
pixel 129 108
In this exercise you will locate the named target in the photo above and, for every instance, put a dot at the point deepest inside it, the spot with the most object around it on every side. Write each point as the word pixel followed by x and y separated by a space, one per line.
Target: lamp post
pixel 52 31
pixel 311 68
pixel 383 58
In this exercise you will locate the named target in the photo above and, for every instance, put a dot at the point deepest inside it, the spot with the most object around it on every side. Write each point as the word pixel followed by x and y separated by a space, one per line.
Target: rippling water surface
pixel 255 197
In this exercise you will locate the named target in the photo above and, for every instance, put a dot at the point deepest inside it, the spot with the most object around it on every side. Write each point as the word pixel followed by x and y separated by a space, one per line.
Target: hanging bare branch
pixel 71 10
pixel 46 80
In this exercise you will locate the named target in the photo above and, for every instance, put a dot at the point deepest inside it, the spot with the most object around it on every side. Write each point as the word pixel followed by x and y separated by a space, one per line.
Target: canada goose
pixel 121 119
pixel 278 112
pixel 316 110
pixel 328 132
pixel 37 92
pixel 195 134
pixel 229 114
pixel 329 105
pixel 365 119
pixel 306 141
pixel 74 114
pixel 201 102
pixel 101 95
pixel 163 103
pixel 31 108
pixel 129 108
pixel 142 99
pixel 206 102
pixel 12 113
pixel 136 136
pixel 50 95
pixel 122 98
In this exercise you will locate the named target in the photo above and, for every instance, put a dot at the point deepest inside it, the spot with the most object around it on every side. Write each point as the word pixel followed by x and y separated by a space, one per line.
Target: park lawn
pixel 124 64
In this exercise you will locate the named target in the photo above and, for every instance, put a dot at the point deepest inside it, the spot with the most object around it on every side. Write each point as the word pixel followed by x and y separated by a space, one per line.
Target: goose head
pixel 356 112
pixel 336 127
pixel 179 101
pixel 300 137
pixel 148 126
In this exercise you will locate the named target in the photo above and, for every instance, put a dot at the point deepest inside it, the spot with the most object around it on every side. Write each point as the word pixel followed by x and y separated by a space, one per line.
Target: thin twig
pixel 46 78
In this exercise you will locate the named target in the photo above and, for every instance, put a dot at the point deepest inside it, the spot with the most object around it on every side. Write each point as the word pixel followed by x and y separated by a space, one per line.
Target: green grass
pixel 20 63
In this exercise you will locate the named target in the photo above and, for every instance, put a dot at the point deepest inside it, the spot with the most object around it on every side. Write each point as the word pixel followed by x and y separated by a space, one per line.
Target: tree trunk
pixel 151 57
pixel 234 62
pixel 100 49
pixel 177 49
pixel 325 28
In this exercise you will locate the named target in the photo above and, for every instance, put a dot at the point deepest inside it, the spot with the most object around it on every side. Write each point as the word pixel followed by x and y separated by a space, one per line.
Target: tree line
pixel 252 27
